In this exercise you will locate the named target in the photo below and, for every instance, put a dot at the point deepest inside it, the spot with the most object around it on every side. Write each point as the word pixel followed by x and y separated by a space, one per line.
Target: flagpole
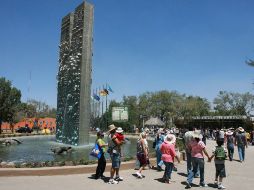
pixel 93 106
pixel 106 106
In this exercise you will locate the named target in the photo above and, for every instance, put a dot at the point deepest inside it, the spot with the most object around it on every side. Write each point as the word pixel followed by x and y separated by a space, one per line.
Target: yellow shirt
pixel 101 142
pixel 247 135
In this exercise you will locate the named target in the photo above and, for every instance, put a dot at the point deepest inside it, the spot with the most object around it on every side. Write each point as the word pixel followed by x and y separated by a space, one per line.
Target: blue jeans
pixel 189 163
pixel 197 162
pixel 241 152
pixel 168 170
pixel 158 157
pixel 230 151
pixel 188 159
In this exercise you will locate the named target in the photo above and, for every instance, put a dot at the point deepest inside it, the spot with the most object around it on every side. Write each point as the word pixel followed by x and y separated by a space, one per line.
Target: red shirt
pixel 168 152
pixel 119 136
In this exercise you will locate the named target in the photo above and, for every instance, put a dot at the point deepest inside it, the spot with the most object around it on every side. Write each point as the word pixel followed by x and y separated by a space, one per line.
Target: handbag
pixel 96 151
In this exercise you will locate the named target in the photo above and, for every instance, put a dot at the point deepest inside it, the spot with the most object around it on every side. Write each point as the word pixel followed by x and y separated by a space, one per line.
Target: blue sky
pixel 197 47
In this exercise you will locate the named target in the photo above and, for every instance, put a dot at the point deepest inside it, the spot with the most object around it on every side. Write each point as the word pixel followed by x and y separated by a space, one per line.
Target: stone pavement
pixel 239 176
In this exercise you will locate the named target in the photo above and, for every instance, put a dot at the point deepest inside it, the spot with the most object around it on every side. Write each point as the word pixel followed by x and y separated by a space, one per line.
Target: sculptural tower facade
pixel 74 76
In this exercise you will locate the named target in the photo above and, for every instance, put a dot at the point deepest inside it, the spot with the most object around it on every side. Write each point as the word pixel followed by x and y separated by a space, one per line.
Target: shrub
pixel 17 165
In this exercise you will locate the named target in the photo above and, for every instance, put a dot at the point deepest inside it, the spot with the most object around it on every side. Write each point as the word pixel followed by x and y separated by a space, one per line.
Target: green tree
pixel 9 100
pixel 230 103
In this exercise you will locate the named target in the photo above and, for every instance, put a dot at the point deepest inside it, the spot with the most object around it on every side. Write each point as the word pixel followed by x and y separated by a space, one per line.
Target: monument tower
pixel 74 76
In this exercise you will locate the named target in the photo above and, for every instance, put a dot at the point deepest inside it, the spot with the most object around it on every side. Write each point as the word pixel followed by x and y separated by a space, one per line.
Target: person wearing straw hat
pixel 168 154
pixel 241 143
pixel 230 143
pixel 114 151
pixel 198 149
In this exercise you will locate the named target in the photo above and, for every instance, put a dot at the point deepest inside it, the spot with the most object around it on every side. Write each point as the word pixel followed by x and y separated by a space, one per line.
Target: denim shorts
pixel 116 160
pixel 220 170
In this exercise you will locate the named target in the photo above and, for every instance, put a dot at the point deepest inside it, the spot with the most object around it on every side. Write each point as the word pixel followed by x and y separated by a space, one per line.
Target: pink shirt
pixel 168 152
pixel 197 149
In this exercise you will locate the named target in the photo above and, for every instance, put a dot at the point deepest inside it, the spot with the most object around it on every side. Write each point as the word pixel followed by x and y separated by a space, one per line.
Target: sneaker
pixel 203 185
pixel 188 186
pixel 216 183
pixel 221 187
pixel 139 175
pixel 118 178
pixel 112 181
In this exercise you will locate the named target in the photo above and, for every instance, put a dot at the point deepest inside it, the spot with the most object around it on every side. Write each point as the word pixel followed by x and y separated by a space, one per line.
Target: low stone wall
pixel 8 169
pixel 21 135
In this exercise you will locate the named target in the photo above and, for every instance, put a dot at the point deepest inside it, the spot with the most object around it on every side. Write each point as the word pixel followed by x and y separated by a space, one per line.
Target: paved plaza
pixel 239 176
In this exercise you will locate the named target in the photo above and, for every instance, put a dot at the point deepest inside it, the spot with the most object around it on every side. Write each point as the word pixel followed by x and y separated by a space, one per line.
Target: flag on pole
pixel 103 92
pixel 96 97
pixel 110 89
pixel 106 91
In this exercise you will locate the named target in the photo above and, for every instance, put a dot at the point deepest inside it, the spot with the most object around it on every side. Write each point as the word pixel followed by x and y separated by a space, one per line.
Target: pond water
pixel 38 149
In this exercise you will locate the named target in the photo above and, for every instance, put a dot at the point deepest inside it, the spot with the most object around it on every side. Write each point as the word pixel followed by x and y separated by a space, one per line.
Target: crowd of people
pixel 195 149
pixel 165 149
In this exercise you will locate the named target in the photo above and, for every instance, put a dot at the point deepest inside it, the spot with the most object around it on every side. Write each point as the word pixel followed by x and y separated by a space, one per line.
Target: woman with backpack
pixel 230 144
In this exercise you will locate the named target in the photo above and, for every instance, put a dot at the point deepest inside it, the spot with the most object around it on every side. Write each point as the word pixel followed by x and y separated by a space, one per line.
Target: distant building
pixel 74 76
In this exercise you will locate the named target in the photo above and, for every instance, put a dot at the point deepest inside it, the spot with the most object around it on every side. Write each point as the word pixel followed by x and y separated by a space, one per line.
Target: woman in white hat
pixel 230 144
pixel 198 149
pixel 168 154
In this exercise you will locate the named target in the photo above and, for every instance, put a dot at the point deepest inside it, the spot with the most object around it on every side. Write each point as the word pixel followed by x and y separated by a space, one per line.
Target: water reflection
pixel 38 149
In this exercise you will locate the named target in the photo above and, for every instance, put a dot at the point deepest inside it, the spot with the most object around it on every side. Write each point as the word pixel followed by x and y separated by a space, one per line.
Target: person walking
pixel 219 156
pixel 198 149
pixel 168 154
pixel 230 144
pixel 102 161
pixel 114 151
pixel 241 143
pixel 142 154
pixel 188 137
pixel 158 141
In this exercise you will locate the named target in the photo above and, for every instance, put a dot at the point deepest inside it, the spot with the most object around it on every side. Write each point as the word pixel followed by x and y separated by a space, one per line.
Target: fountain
pixel 73 99
pixel 74 77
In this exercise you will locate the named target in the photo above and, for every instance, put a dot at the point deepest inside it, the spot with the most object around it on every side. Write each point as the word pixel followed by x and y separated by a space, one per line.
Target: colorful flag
pixel 103 93
pixel 96 97
pixel 106 91
pixel 110 89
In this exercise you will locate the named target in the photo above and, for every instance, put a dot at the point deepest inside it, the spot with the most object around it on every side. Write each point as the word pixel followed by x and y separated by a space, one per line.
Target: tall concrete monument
pixel 74 76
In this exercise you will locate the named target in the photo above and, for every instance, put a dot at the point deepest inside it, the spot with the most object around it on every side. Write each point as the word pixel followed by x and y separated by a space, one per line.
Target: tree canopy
pixel 9 101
